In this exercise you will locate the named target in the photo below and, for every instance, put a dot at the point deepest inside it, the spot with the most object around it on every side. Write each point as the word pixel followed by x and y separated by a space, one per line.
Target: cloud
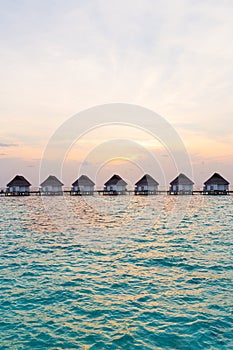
pixel 217 132
pixel 8 145
pixel 173 57
pixel 189 126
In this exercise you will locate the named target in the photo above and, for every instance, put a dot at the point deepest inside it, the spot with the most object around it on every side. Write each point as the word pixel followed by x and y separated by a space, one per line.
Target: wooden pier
pixel 114 193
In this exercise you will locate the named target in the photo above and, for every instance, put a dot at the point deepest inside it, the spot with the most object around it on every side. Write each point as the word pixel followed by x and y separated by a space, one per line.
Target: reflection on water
pixel 115 274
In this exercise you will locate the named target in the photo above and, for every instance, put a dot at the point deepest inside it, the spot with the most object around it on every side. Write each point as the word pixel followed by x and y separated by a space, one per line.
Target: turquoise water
pixel 116 273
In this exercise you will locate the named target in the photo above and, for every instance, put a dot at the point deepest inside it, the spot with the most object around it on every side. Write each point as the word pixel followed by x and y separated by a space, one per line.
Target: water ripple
pixel 89 284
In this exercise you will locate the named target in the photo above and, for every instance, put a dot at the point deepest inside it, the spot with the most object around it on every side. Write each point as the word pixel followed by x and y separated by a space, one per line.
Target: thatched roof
pixel 216 179
pixel 51 181
pixel 83 180
pixel 115 180
pixel 181 179
pixel 147 180
pixel 20 181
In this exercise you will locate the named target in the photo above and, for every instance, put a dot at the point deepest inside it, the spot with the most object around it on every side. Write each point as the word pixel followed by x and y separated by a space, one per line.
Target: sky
pixel 58 58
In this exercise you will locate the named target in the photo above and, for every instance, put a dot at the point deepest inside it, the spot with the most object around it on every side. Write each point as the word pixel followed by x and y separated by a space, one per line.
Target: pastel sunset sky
pixel 61 57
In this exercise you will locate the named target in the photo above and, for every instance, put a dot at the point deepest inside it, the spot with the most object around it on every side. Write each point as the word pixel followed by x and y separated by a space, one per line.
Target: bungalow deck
pixel 180 193
pixel 80 193
pixel 15 194
pixel 145 193
pixel 113 193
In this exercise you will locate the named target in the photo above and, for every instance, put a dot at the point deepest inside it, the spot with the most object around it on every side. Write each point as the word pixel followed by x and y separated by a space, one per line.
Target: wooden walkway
pixel 112 193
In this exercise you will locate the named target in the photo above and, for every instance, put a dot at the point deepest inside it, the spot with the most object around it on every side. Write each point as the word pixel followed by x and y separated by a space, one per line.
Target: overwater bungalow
pixel 18 186
pixel 216 184
pixel 83 185
pixel 51 186
pixel 146 185
pixel 181 185
pixel 115 185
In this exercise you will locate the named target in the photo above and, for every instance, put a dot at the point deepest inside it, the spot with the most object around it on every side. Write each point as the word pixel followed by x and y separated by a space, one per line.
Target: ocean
pixel 121 272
